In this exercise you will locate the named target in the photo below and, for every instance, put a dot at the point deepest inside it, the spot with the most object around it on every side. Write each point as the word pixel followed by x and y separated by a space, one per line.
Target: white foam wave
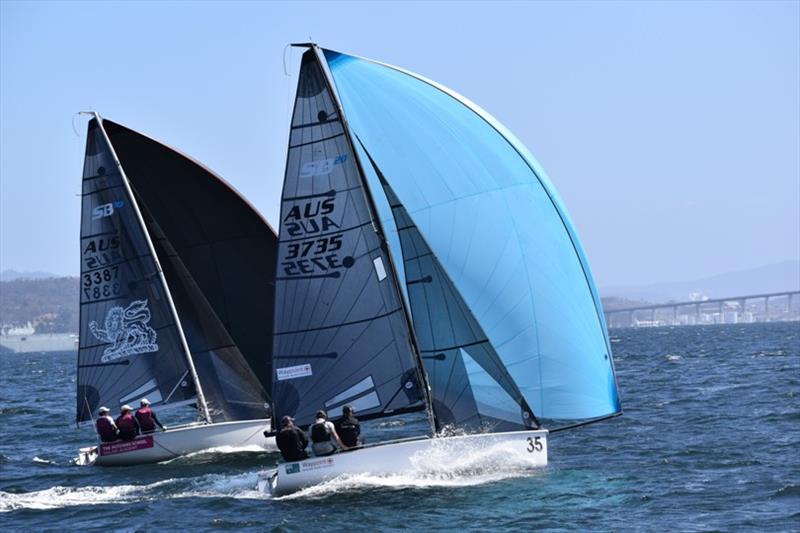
pixel 39 460
pixel 241 486
pixel 250 448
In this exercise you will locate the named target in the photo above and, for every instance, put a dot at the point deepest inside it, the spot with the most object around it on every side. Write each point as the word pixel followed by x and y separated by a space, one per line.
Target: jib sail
pixel 341 334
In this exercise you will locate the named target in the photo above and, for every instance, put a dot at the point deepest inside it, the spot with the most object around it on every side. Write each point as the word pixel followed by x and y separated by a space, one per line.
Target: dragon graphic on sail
pixel 128 331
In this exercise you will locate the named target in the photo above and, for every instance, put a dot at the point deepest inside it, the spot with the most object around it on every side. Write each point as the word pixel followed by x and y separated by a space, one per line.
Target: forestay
pixel 495 223
pixel 341 334
pixel 129 342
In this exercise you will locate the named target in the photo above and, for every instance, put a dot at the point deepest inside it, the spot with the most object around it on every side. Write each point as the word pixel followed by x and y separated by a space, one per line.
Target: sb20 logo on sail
pixel 322 167
pixel 106 210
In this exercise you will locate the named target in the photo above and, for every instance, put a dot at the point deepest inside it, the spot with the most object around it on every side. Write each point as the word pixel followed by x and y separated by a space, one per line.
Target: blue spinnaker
pixel 494 221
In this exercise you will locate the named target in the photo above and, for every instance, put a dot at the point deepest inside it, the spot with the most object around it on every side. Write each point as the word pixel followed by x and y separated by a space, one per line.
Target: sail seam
pixel 342 324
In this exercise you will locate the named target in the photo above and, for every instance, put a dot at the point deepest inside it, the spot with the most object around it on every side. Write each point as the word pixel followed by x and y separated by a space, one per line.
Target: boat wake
pixel 241 486
pixel 211 453
pixel 446 464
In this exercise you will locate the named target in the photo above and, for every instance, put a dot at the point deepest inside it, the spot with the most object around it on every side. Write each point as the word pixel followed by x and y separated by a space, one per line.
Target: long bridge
pixel 774 306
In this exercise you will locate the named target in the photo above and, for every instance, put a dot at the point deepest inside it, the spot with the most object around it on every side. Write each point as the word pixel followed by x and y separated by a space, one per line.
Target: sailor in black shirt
pixel 348 428
pixel 291 440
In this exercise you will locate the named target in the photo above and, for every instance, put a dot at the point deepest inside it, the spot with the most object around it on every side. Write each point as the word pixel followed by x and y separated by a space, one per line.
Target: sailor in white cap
pixel 147 417
pixel 105 425
pixel 127 424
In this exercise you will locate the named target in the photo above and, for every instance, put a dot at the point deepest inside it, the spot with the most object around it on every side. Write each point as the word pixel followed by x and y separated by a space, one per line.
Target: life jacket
pixel 128 429
pixel 144 415
pixel 292 444
pixel 320 432
pixel 105 428
pixel 348 429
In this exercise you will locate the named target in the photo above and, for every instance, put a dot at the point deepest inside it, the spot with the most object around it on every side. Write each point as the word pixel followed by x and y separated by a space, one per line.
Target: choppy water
pixel 710 440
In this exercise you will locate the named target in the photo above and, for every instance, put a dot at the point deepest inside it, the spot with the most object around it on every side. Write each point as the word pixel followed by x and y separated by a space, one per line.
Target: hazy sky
pixel 671 130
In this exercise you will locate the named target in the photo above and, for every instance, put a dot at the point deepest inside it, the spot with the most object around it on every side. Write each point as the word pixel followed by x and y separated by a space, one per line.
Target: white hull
pixel 526 447
pixel 178 441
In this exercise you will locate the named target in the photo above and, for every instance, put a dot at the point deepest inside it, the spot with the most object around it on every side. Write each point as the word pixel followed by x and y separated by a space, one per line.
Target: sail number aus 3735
pixel 535 444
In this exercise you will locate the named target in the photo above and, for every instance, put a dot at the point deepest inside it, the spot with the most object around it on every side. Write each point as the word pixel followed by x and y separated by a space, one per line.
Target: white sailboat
pixel 490 323
pixel 176 272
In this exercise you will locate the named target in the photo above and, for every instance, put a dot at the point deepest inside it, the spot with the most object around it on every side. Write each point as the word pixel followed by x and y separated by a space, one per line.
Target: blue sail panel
pixel 495 223
pixel 457 355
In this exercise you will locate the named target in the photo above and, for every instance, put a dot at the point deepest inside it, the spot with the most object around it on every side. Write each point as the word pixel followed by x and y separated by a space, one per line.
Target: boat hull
pixel 175 442
pixel 526 447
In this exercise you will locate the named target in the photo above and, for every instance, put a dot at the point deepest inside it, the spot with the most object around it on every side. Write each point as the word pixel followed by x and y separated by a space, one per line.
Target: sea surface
pixel 709 441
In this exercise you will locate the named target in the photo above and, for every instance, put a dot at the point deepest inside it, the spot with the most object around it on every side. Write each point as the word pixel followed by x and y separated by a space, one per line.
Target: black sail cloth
pixel 129 343
pixel 224 243
pixel 341 336
pixel 218 259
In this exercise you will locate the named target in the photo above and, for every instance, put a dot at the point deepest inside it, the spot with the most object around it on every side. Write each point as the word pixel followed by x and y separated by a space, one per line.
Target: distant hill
pixel 11 275
pixel 777 277
pixel 50 304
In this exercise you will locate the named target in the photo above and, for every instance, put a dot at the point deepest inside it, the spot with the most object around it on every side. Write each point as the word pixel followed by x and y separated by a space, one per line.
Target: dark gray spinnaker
pixel 130 342
pixel 231 389
pixel 341 331
pixel 472 390
pixel 223 242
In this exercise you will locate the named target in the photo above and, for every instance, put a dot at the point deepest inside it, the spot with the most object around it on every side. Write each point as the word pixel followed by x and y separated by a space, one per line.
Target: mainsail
pixel 341 333
pixel 471 387
pixel 493 220
pixel 130 345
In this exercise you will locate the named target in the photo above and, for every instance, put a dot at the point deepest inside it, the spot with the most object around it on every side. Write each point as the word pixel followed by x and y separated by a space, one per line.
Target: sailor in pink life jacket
pixel 127 424
pixel 147 417
pixel 105 426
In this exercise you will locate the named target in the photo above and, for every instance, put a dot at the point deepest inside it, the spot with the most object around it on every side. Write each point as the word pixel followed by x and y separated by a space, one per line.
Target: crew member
pixel 348 428
pixel 323 436
pixel 105 426
pixel 147 418
pixel 127 424
pixel 291 441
